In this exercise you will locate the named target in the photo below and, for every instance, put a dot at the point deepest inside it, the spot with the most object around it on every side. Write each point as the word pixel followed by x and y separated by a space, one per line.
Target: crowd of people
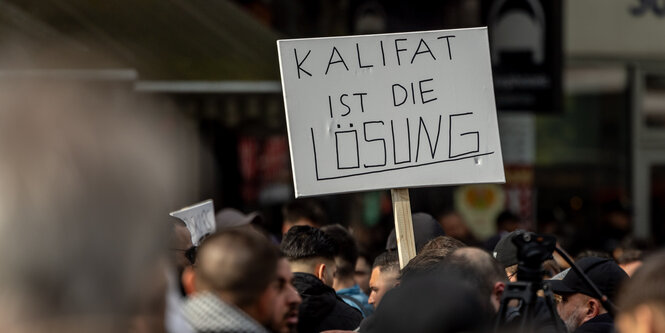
pixel 313 278
pixel 83 220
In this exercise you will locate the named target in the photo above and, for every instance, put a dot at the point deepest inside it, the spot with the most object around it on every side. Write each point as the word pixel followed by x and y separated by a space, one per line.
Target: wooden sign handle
pixel 406 244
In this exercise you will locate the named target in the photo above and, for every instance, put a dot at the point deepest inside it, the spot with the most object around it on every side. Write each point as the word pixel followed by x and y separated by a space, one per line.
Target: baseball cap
pixel 604 273
pixel 425 228
pixel 505 251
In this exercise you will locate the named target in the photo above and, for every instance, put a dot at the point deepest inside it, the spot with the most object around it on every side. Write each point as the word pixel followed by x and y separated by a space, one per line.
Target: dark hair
pixel 506 217
pixel 423 263
pixel 244 264
pixel 304 209
pixel 646 284
pixel 387 261
pixel 444 243
pixel 302 242
pixel 347 250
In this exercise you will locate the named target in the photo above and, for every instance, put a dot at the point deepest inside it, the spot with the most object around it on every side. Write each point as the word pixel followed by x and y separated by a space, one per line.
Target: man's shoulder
pixel 208 313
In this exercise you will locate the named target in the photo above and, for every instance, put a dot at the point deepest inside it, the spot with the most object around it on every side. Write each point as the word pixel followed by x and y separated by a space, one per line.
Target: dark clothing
pixel 599 324
pixel 321 309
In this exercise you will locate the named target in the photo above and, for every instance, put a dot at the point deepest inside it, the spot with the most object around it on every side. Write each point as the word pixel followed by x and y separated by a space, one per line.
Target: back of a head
pixel 431 303
pixel 304 209
pixel 86 180
pixel 425 228
pixel 305 242
pixel 478 266
pixel 237 262
pixel 646 286
pixel 424 263
pixel 347 249
pixel 444 243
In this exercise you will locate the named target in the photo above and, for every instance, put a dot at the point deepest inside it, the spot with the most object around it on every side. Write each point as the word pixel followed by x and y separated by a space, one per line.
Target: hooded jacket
pixel 321 309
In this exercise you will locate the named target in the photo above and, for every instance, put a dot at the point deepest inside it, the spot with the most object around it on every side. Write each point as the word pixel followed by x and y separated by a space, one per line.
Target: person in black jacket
pixel 580 307
pixel 311 254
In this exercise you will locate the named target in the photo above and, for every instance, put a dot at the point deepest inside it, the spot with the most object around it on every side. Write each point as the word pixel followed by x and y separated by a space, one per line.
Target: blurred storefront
pixel 594 143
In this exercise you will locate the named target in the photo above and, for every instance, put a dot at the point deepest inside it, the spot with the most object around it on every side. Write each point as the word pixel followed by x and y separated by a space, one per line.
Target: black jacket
pixel 598 324
pixel 321 309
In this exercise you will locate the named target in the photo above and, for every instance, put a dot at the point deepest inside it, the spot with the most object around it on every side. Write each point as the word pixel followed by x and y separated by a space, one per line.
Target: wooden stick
pixel 406 244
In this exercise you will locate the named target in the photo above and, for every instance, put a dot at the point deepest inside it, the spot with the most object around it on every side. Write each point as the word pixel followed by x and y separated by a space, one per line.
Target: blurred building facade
pixel 599 149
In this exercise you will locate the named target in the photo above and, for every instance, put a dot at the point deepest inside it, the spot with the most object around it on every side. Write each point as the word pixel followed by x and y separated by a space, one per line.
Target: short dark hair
pixel 646 284
pixel 303 242
pixel 347 250
pixel 387 261
pixel 423 263
pixel 304 209
pixel 244 264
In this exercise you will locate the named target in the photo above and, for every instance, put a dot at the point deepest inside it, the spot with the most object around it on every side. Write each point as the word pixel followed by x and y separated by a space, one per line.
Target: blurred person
pixel 425 228
pixel 630 260
pixel 345 260
pixel 176 294
pixel 242 285
pixel 363 271
pixel 302 212
pixel 385 276
pixel 86 177
pixel 580 308
pixel 453 225
pixel 506 223
pixel 311 254
pixel 480 265
pixel 642 299
pixel 445 243
pixel 431 304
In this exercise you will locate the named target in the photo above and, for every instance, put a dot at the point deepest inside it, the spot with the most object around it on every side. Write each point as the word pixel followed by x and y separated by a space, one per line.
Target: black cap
pixel 505 251
pixel 425 228
pixel 604 273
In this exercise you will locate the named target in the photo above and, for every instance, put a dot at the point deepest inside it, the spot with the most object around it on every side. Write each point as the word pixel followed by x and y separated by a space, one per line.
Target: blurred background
pixel 579 84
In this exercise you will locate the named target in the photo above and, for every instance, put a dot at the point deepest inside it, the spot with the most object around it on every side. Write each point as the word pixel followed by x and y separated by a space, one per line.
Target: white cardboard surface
pixel 390 111
pixel 199 219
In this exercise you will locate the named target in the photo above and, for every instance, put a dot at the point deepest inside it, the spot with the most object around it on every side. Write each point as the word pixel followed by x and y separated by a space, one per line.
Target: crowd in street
pixel 312 280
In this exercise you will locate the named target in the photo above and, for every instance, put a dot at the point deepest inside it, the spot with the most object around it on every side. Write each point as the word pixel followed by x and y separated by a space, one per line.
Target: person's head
pixel 443 243
pixel 453 225
pixel 425 228
pixel 345 259
pixel 579 303
pixel 630 260
pixel 87 177
pixel 310 250
pixel 642 299
pixel 302 212
pixel 430 304
pixel 385 276
pixel 363 271
pixel 507 221
pixel 480 267
pixel 424 263
pixel 243 268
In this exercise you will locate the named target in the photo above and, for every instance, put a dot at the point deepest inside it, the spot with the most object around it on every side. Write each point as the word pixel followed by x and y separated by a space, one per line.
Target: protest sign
pixel 199 219
pixel 390 111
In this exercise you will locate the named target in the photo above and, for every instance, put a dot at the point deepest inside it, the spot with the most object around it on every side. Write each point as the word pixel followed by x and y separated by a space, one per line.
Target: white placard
pixel 199 219
pixel 390 111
